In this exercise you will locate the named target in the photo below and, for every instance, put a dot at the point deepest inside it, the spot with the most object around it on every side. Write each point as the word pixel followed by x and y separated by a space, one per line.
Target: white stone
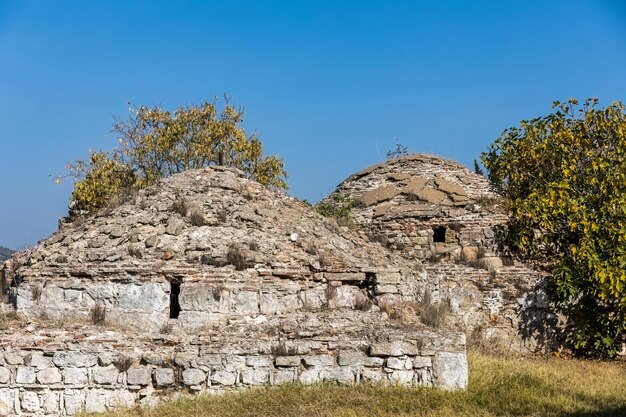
pixel 121 399
pixel 5 375
pixel 288 361
pixel 74 360
pixel 139 375
pixel 30 401
pixel 341 374
pixel 293 237
pixel 105 375
pixel 283 376
pixel 223 378
pixel 310 376
pixel 73 401
pixel 50 402
pixel 254 376
pixel 193 377
pixel 75 376
pixel 13 358
pixel 422 362
pixel 396 348
pixel 163 377
pixel 402 377
pixel 258 361
pixel 37 360
pixel 319 361
pixel 7 401
pixel 25 375
pixel 372 375
pixel 95 401
pixel 450 370
pixel 49 376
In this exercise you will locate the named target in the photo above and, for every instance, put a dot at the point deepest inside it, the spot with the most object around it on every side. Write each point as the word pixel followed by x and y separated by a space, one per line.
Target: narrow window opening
pixel 174 305
pixel 439 234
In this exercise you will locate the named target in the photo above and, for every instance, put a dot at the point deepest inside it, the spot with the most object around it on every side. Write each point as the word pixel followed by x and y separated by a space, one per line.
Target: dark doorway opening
pixel 439 234
pixel 174 305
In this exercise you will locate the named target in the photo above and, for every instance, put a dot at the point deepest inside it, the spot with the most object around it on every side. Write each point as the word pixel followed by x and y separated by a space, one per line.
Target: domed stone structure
pixel 208 281
pixel 437 211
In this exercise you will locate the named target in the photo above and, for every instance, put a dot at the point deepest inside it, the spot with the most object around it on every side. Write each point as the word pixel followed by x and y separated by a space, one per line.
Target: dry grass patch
pixel 498 387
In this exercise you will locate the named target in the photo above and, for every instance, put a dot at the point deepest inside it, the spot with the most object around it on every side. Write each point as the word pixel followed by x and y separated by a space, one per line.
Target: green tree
pixel 154 143
pixel 565 176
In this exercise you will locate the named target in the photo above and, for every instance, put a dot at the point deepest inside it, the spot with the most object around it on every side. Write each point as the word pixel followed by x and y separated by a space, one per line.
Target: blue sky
pixel 328 85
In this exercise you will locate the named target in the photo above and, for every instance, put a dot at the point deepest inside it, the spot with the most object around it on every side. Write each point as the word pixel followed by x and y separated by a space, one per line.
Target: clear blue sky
pixel 329 85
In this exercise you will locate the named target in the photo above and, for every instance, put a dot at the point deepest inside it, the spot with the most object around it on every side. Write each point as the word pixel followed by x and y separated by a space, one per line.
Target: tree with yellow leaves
pixel 154 143
pixel 565 177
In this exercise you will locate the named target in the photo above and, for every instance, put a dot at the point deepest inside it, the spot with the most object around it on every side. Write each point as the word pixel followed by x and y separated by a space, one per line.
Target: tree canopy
pixel 565 177
pixel 154 143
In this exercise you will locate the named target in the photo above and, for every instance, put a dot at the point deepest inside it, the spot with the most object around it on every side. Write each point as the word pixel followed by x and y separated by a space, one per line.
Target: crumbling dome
pixel 208 281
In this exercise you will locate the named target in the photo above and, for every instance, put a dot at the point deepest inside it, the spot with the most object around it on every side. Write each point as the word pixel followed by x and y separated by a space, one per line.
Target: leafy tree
pixel 565 176
pixel 154 143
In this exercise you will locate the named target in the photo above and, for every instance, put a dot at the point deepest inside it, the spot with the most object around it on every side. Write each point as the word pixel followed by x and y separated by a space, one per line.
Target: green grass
pixel 498 387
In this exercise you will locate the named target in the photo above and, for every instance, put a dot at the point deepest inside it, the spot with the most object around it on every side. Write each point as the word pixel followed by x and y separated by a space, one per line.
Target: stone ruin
pixel 209 282
pixel 436 211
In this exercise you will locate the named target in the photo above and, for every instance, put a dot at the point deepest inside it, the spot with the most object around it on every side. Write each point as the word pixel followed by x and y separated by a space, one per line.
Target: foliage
pixel 154 143
pixel 477 169
pixel 497 387
pixel 338 207
pixel 565 177
pixel 398 152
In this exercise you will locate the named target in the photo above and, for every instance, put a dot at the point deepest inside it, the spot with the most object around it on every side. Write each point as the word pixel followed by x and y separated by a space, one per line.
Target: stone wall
pixel 436 211
pixel 54 372
pixel 144 299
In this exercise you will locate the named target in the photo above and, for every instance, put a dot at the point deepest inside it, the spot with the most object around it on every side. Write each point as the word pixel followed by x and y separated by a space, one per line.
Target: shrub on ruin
pixel 155 143
pixel 98 314
pixel 338 207
pixel 563 175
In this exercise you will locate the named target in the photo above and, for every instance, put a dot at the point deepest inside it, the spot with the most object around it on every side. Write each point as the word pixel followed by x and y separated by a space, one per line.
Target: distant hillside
pixel 5 253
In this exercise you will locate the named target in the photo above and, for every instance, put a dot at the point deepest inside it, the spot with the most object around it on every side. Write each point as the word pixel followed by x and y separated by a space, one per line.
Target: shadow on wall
pixel 539 324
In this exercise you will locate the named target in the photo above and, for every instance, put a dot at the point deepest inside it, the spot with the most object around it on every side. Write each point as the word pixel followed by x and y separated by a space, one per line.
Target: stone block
pixel 395 348
pixel 450 370
pixel 49 376
pixel 209 360
pixel 13 358
pixel 356 359
pixel 164 377
pixel 372 375
pixel 340 374
pixel 139 375
pixel 258 361
pixel 423 377
pixel 388 277
pixel 345 276
pixel 288 361
pixel 402 377
pixel 223 378
pixel 185 359
pixel 25 375
pixel 310 376
pixel 7 401
pixel 96 401
pixel 75 376
pixel 5 375
pixel 399 363
pixel 73 401
pixel 284 376
pixel 122 399
pixel 50 402
pixel 386 289
pixel 319 360
pixel 422 362
pixel 74 360
pixel 37 360
pixel 193 377
pixel 254 376
pixel 378 195
pixel 29 401
pixel 105 375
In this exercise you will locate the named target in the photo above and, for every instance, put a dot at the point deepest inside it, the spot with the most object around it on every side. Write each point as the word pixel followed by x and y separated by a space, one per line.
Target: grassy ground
pixel 498 387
